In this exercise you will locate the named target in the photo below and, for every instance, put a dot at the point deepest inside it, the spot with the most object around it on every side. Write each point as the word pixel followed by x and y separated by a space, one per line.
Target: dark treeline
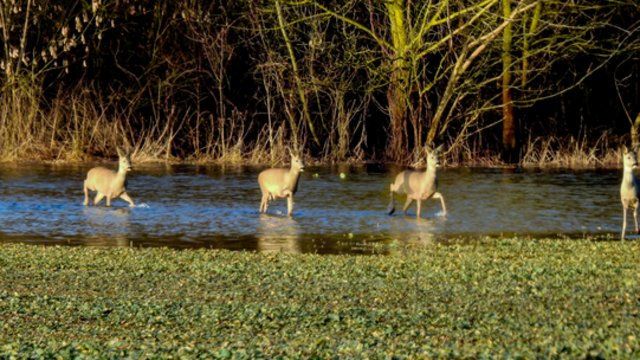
pixel 240 81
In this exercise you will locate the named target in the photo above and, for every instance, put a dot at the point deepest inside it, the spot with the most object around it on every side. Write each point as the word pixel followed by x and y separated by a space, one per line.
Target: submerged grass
pixel 493 298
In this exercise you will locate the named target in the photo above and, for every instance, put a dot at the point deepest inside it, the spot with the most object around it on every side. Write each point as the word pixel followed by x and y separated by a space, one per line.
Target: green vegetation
pixel 492 298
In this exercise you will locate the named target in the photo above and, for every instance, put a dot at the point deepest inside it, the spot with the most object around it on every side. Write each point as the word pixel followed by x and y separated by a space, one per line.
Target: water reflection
pixel 207 206
pixel 278 233
pixel 416 232
pixel 107 226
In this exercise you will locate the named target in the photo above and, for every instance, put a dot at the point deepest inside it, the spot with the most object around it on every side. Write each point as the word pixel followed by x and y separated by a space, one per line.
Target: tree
pixel 430 47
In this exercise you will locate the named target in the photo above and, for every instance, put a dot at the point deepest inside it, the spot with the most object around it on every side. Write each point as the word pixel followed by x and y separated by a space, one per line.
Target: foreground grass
pixel 495 298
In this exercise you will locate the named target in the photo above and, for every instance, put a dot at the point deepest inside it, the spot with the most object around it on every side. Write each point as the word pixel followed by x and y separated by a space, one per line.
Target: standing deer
pixel 419 185
pixel 630 187
pixel 280 183
pixel 108 183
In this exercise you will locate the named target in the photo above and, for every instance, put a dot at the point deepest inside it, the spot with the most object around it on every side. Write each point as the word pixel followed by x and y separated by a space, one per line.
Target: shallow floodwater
pixel 217 207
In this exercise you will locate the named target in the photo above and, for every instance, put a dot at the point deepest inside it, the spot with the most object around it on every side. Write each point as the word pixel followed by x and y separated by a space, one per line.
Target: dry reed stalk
pixel 270 146
pixel 471 154
pixel 570 153
pixel 22 123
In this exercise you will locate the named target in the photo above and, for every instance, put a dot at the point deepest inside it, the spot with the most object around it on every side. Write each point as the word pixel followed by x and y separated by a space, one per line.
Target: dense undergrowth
pixel 488 299
pixel 79 130
pixel 526 82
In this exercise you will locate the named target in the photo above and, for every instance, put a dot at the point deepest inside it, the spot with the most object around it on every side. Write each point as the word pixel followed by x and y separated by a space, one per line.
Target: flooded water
pixel 214 207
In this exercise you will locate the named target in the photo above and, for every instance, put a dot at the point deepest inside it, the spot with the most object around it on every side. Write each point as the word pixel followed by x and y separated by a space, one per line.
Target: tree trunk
pixel 528 33
pixel 634 131
pixel 397 93
pixel 510 150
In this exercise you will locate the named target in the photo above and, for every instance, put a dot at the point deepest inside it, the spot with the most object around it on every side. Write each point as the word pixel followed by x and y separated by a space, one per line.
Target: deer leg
pixel 98 198
pixel 624 220
pixel 391 208
pixel 124 196
pixel 406 205
pixel 109 200
pixel 289 204
pixel 437 195
pixel 86 194
pixel 264 203
pixel 635 215
pixel 418 206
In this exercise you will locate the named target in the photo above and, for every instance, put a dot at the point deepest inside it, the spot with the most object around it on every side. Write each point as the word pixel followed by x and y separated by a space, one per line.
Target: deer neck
pixel 292 183
pixel 431 173
pixel 628 177
pixel 430 181
pixel 121 177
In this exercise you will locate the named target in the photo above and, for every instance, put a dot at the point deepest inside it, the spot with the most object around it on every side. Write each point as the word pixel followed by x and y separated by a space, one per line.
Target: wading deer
pixel 280 183
pixel 630 187
pixel 419 185
pixel 108 183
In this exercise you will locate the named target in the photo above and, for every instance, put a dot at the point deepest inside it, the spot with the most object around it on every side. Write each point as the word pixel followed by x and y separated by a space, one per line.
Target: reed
pixel 572 153
pixel 71 128
pixel 471 154
pixel 22 131
pixel 80 127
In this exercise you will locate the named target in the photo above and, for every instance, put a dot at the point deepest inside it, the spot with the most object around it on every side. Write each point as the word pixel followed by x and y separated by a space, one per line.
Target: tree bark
pixel 397 92
pixel 634 131
pixel 510 151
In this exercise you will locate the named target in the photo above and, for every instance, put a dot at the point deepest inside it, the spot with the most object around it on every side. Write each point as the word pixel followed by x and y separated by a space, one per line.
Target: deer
pixel 418 185
pixel 630 187
pixel 108 183
pixel 280 183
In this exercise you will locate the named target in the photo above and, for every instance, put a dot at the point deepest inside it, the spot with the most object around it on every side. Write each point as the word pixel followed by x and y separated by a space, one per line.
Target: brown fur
pixel 280 183
pixel 108 183
pixel 418 185
pixel 630 188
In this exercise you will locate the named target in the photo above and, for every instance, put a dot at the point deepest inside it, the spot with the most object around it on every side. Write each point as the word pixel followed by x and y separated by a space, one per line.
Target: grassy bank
pixel 497 298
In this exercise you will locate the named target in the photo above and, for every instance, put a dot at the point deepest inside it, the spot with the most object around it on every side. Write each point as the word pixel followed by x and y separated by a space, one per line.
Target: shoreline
pixel 606 164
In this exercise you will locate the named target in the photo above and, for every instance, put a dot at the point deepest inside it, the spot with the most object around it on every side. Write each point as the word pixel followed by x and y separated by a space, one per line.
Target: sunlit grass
pixel 491 298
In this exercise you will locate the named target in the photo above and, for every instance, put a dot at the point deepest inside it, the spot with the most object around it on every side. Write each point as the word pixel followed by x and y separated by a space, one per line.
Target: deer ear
pixel 120 152
pixel 428 148
pixel 295 151
pixel 624 149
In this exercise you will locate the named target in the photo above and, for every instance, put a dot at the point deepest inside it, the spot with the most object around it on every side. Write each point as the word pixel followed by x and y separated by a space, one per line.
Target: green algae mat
pixel 505 298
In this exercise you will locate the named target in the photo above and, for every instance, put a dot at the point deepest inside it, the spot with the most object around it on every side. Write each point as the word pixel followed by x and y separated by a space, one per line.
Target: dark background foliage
pixel 229 80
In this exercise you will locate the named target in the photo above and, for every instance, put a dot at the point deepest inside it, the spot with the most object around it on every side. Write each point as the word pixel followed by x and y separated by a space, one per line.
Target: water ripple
pixel 196 206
